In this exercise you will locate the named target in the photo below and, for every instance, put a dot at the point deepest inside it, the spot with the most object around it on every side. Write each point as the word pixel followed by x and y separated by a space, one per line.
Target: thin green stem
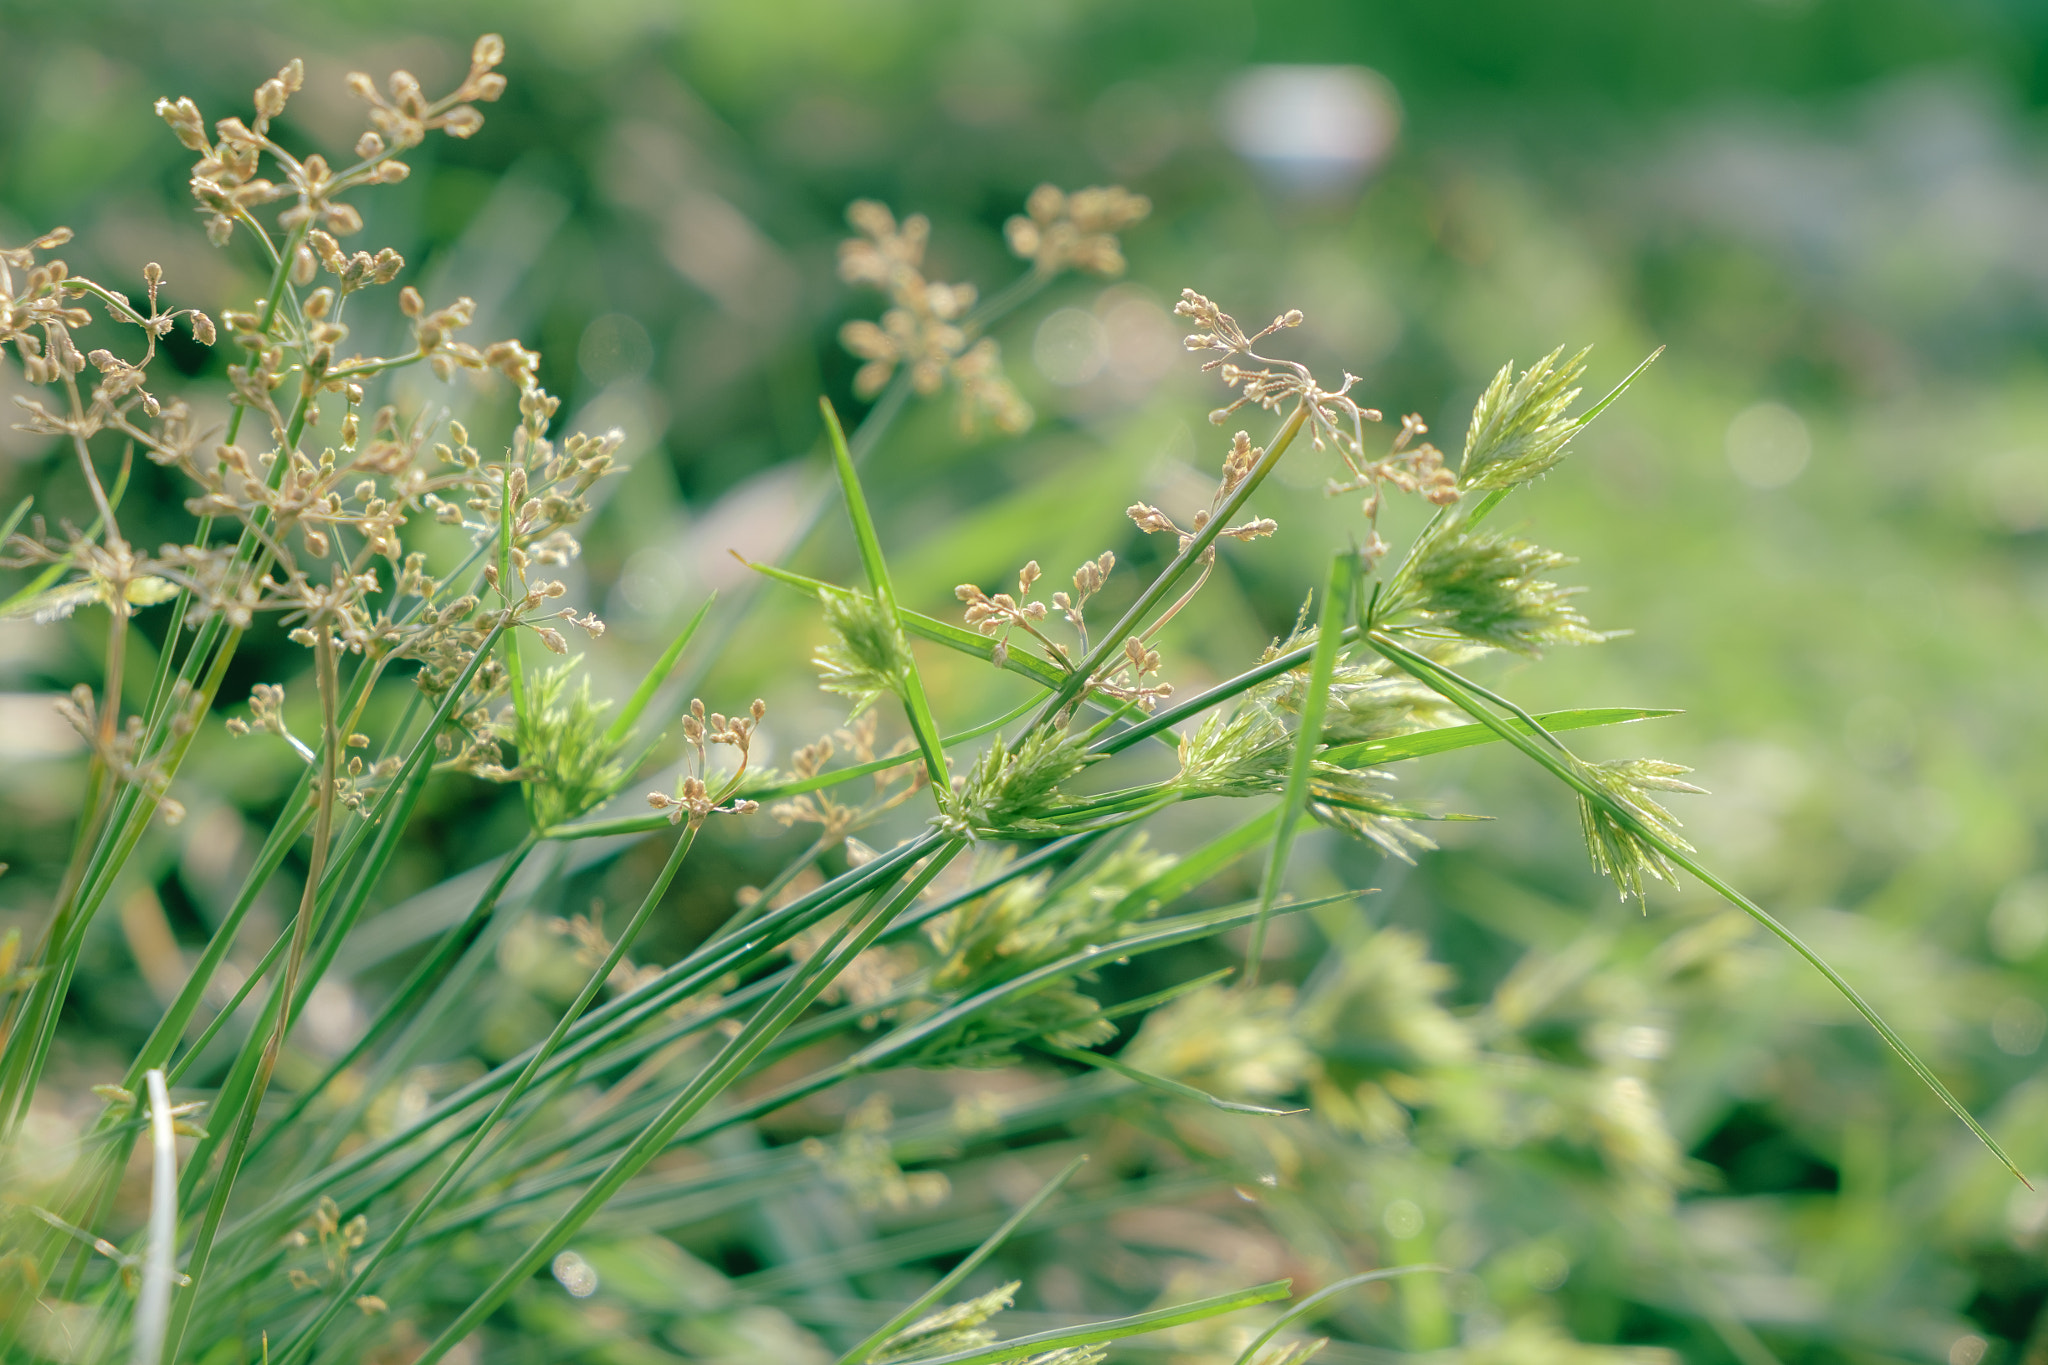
pixel 1076 681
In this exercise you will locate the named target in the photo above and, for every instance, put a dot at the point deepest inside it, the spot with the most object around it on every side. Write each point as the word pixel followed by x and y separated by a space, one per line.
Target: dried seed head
pixel 184 119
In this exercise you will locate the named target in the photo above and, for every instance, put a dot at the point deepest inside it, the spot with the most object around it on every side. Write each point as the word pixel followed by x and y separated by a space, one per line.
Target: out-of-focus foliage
pixel 1824 514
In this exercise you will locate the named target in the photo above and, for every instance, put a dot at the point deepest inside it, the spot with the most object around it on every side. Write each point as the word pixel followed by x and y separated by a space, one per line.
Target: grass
pixel 324 1212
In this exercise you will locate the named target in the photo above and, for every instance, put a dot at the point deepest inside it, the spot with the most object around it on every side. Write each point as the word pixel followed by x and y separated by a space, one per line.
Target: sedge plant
pixel 382 1203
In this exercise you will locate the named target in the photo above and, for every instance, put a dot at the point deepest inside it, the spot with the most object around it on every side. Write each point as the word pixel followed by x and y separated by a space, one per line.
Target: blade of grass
pixel 14 518
pixel 1396 748
pixel 1167 1085
pixel 307 1335
pixel 1455 689
pixel 1301 768
pixel 641 824
pixel 1115 1329
pixel 916 1309
pixel 1111 644
pixel 629 715
pixel 915 705
pixel 777 1014
pixel 1296 1312
pixel 617 1017
pixel 400 1006
pixel 1197 867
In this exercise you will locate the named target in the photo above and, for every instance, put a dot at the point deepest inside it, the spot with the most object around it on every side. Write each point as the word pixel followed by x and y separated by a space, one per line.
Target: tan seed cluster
pixel 924 331
pixel 1058 230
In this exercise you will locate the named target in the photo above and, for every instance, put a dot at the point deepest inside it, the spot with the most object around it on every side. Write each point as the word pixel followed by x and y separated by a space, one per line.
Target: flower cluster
pixel 694 800
pixel 321 527
pixel 926 329
pixel 1058 230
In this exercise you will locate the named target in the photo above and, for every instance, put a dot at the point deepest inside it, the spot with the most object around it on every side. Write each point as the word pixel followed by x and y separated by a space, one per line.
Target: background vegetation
pixel 1824 513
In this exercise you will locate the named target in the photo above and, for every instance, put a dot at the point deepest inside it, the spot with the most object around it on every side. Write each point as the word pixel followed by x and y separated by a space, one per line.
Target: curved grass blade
pixel 1455 689
pixel 1113 1329
pixel 1300 1310
pixel 859 1354
pixel 780 1011
pixel 1160 1083
pixel 915 704
pixel 1371 753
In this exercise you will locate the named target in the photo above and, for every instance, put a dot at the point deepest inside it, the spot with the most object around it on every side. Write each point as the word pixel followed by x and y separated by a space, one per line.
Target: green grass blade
pixel 1301 768
pixel 1171 993
pixel 1619 389
pixel 1113 1329
pixel 1158 935
pixel 1373 752
pixel 859 1354
pixel 13 521
pixel 1296 1312
pixel 1215 696
pixel 1454 688
pixel 775 791
pixel 731 1062
pixel 401 1006
pixel 163 1040
pixel 637 704
pixel 1195 868
pixel 1112 641
pixel 1165 1084
pixel 915 704
pixel 956 638
pixel 306 1337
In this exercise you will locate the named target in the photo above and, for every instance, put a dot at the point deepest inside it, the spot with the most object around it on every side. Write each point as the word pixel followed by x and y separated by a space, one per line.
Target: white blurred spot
pixel 2019 920
pixel 1068 347
pixel 2026 1213
pixel 2017 1026
pixel 614 347
pixel 30 727
pixel 1644 1042
pixel 48 1150
pixel 1768 445
pixel 576 1275
pixel 1314 129
pixel 1140 344
pixel 1967 1350
pixel 332 1021
pixel 1403 1219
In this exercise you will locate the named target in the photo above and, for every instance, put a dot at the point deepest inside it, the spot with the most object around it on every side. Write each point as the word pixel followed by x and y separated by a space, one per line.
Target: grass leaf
pixel 1114 1329
pixel 915 704
pixel 1455 689
pixel 1301 768
pixel 966 1267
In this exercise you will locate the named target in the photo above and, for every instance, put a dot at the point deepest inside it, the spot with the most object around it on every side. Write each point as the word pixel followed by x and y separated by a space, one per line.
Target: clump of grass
pixel 356 1211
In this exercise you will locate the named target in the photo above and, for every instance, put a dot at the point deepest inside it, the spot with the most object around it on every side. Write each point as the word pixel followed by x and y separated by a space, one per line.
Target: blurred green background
pixel 1823 513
